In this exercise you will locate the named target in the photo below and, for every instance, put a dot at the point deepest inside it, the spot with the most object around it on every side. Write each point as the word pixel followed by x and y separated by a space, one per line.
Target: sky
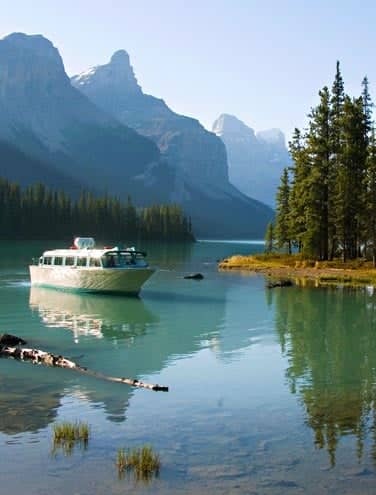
pixel 262 61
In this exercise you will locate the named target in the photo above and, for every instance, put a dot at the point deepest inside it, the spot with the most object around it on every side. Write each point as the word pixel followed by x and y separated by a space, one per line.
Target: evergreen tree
pixel 298 191
pixel 371 195
pixel 282 228
pixel 319 182
pixel 336 117
pixel 269 238
pixel 349 197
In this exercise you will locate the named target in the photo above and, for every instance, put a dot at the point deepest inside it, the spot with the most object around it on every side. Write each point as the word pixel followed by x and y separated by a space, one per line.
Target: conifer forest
pixel 326 201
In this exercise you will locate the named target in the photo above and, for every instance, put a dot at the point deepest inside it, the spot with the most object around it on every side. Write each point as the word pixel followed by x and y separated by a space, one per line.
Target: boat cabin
pixel 94 259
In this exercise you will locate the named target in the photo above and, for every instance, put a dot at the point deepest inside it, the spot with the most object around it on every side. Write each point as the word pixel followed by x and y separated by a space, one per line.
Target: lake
pixel 271 391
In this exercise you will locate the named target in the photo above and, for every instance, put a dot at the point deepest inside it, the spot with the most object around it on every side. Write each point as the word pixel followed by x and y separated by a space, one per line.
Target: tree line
pixel 37 212
pixel 326 201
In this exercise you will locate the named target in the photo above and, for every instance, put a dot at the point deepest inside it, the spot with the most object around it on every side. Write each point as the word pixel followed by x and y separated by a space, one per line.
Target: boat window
pixel 47 260
pixel 81 261
pixel 126 259
pixel 69 261
pixel 58 260
pixel 110 261
pixel 94 262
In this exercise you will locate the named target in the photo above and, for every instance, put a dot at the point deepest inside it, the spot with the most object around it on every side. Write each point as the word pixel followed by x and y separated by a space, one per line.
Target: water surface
pixel 271 391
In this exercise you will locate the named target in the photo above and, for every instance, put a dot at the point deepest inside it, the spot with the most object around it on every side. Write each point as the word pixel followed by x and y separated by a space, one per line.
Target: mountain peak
pixel 273 137
pixel 120 57
pixel 34 42
pixel 29 61
pixel 229 125
pixel 117 76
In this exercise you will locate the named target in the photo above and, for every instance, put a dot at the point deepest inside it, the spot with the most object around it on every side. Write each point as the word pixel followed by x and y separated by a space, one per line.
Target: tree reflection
pixel 329 339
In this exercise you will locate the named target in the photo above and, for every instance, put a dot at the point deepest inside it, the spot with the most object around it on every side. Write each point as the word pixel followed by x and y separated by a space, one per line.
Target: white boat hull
pixel 104 280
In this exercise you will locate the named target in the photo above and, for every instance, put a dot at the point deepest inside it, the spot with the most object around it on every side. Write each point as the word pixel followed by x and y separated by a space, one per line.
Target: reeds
pixel 67 435
pixel 143 462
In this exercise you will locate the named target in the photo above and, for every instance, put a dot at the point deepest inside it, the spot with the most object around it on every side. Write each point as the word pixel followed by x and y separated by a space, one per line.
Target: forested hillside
pixel 41 213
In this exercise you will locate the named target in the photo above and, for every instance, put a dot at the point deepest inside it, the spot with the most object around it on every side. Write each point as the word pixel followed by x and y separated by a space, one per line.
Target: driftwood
pixel 36 356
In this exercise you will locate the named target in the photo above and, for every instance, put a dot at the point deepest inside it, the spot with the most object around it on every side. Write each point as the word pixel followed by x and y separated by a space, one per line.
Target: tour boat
pixel 83 267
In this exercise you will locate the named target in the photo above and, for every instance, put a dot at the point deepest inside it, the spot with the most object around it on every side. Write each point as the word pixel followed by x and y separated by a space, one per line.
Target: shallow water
pixel 271 391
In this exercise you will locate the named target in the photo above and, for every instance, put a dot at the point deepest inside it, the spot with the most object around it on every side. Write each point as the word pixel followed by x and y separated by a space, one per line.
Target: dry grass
pixel 354 272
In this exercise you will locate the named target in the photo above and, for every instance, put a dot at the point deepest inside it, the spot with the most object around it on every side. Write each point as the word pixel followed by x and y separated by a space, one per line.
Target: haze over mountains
pixel 256 160
pixel 103 133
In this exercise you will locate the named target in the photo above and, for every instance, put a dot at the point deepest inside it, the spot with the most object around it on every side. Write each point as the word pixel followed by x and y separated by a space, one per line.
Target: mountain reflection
pixel 115 336
pixel 329 339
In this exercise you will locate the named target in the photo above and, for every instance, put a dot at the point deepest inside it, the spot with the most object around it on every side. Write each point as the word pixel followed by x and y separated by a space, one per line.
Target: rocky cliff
pixel 183 141
pixel 44 117
pixel 199 157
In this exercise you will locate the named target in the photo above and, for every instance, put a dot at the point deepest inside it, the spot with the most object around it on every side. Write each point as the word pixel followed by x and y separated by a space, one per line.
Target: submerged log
pixel 7 339
pixel 36 356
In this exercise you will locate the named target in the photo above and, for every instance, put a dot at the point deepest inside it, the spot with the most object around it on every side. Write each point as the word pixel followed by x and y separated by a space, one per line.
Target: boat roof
pixel 93 253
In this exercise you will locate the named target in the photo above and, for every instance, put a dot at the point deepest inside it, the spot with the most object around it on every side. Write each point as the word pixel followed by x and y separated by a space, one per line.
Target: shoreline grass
pixel 357 272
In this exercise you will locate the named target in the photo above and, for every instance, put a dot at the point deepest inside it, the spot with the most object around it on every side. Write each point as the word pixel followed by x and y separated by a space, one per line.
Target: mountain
pixel 48 126
pixel 124 142
pixel 199 157
pixel 256 160
pixel 182 140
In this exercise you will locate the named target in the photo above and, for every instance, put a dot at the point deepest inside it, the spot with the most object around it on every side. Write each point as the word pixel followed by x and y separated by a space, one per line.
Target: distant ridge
pixel 256 160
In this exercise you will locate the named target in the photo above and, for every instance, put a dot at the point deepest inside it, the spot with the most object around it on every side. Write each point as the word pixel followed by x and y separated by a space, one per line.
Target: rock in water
pixel 195 276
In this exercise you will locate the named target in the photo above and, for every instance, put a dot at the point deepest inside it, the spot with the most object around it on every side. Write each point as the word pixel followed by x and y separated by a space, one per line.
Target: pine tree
pixel 300 172
pixel 269 238
pixel 319 183
pixel 371 195
pixel 336 117
pixel 282 228
pixel 349 197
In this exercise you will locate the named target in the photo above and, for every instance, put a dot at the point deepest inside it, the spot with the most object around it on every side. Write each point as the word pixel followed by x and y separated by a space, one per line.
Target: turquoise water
pixel 271 391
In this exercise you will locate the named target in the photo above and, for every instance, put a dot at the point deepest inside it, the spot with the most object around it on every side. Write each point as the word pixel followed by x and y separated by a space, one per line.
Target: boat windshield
pixel 123 259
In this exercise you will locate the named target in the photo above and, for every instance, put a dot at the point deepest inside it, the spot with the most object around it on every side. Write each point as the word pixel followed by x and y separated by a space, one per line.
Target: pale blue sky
pixel 262 61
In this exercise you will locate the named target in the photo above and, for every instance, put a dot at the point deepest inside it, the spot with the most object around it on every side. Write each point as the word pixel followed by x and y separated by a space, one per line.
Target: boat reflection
pixel 329 339
pixel 91 315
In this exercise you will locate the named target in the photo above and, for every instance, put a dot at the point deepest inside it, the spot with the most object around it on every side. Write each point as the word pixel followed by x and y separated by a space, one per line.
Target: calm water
pixel 271 391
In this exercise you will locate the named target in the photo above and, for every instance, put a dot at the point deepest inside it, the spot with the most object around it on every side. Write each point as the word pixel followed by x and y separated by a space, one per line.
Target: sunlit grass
pixel 66 435
pixel 353 272
pixel 143 462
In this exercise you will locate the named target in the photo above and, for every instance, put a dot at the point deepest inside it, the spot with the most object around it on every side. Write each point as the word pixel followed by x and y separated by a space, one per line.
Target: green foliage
pixel 325 206
pixel 269 238
pixel 282 229
pixel 40 213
